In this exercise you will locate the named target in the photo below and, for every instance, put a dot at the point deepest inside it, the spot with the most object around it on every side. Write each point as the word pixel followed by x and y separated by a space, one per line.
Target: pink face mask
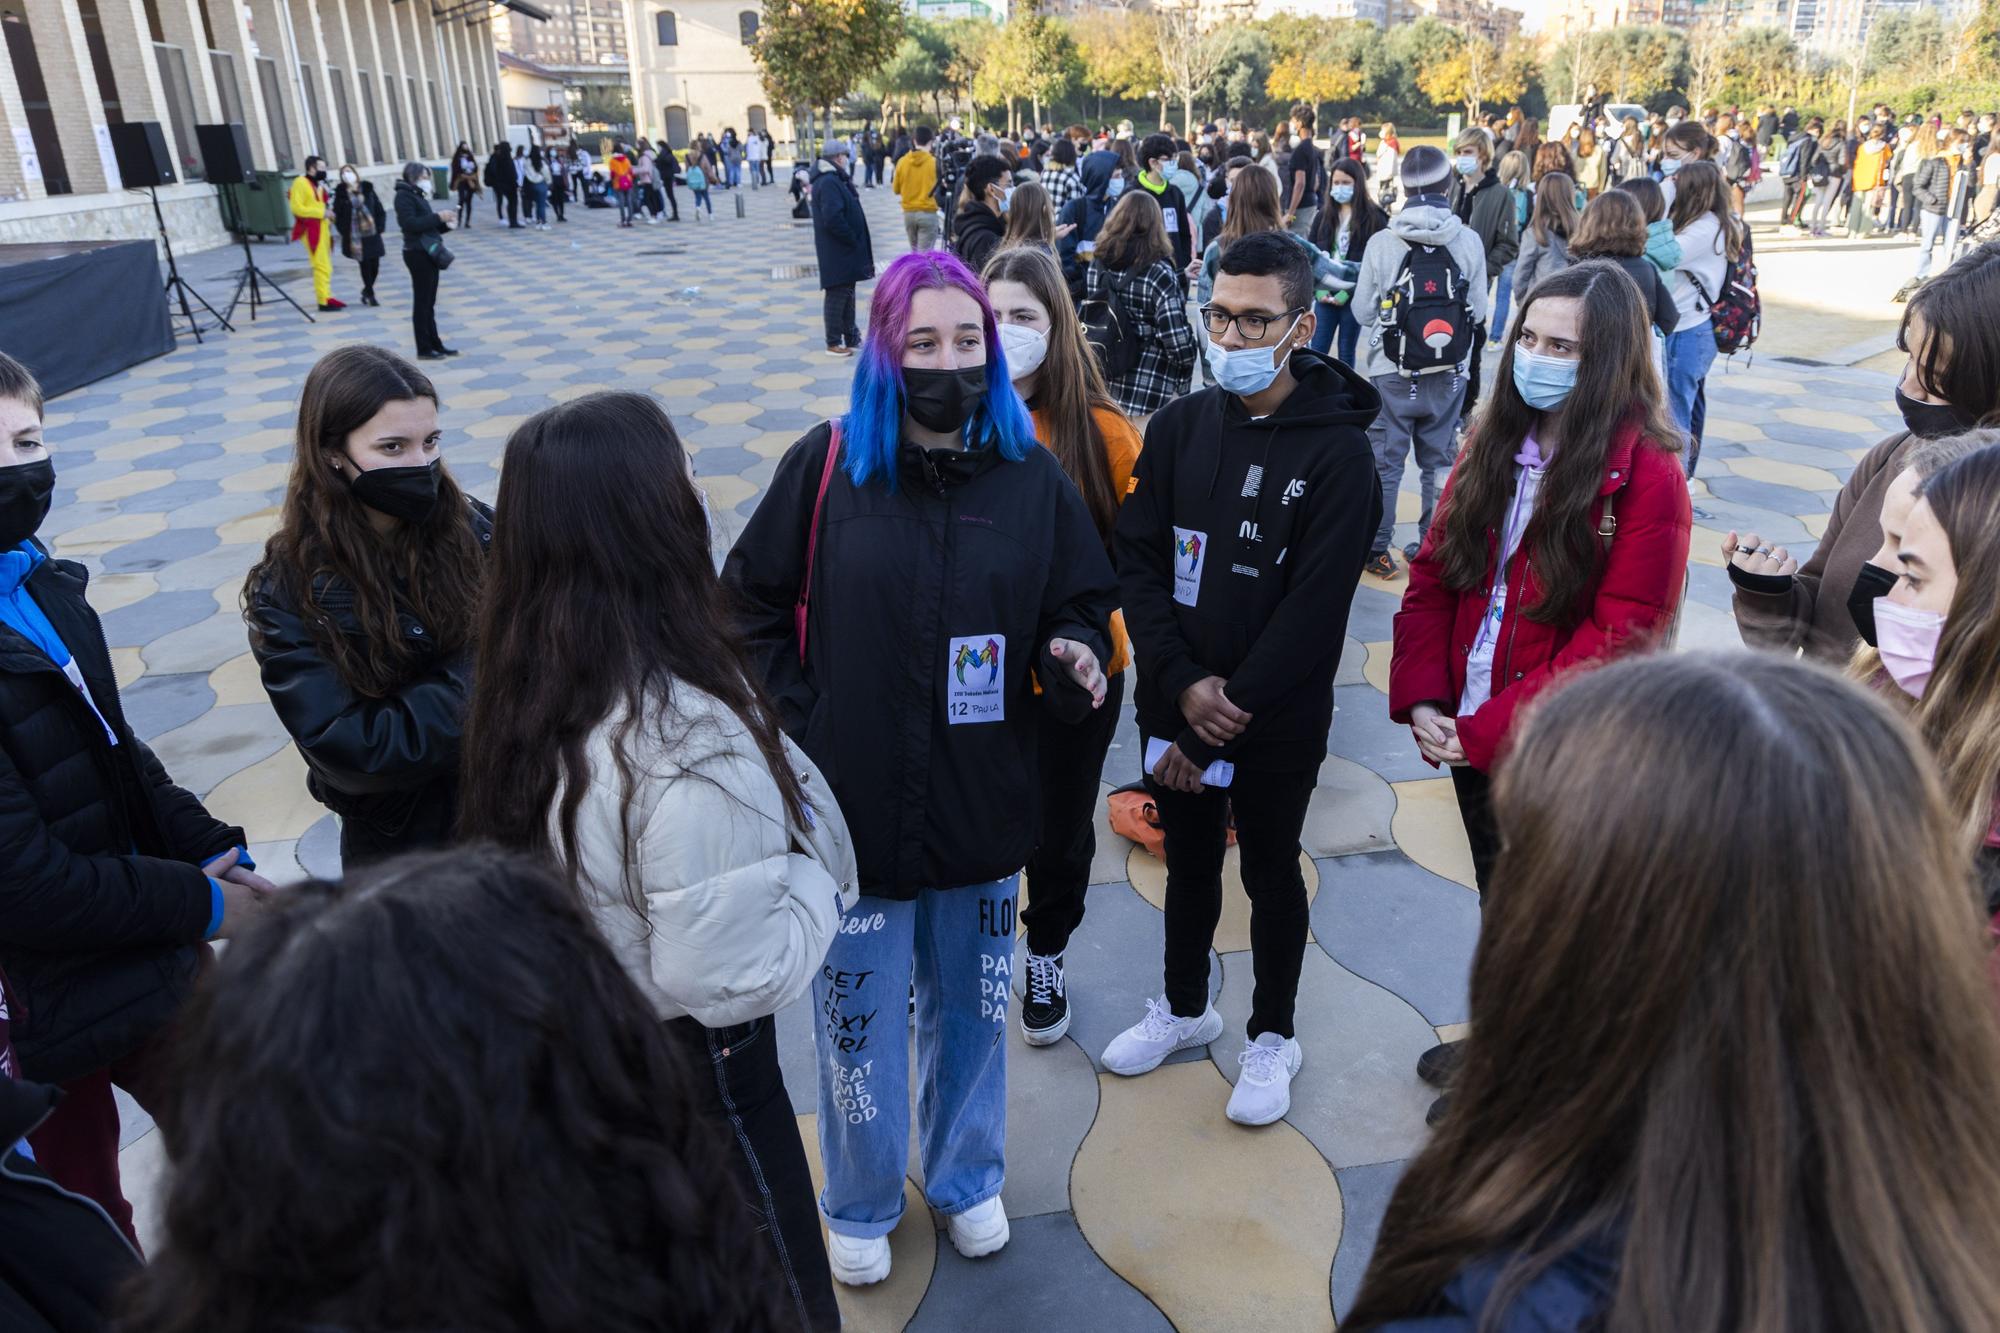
pixel 1908 641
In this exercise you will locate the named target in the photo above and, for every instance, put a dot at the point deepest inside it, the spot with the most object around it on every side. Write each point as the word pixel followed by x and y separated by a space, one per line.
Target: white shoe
pixel 1140 1048
pixel 1264 1089
pixel 856 1262
pixel 979 1230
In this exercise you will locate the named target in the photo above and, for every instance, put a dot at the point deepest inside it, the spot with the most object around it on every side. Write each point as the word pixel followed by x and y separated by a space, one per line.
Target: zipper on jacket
pixel 1507 659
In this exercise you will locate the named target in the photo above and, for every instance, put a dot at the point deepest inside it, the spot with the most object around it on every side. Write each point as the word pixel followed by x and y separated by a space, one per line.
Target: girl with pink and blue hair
pixel 916 566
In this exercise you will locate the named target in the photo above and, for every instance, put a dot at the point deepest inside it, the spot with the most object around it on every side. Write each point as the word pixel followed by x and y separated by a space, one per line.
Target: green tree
pixel 969 41
pixel 1191 46
pixel 1468 72
pixel 1238 86
pixel 1119 55
pixel 915 70
pixel 1317 60
pixel 810 53
pixel 1764 63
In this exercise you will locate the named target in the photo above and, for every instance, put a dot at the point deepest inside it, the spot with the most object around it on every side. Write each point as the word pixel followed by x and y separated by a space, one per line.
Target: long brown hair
pixel 1031 219
pixel 602 599
pixel 1959 714
pixel 1069 387
pixel 1738 1030
pixel 1698 189
pixel 431 568
pixel 1550 155
pixel 1134 236
pixel 1555 207
pixel 1253 207
pixel 1616 386
pixel 1612 224
pixel 1959 360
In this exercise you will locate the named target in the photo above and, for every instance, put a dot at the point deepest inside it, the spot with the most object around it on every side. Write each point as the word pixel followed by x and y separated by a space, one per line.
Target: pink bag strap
pixel 804 605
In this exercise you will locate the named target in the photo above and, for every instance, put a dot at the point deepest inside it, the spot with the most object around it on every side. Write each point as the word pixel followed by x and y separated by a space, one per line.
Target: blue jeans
pixel 958 946
pixel 1930 226
pixel 1337 330
pixel 538 196
pixel 1690 352
pixel 701 201
pixel 1503 294
pixel 624 198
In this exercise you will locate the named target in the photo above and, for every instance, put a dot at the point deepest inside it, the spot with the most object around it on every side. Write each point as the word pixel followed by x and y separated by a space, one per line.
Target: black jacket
pixel 1489 211
pixel 1180 227
pixel 343 219
pixel 62 1258
pixel 1652 288
pixel 103 906
pixel 500 173
pixel 1933 185
pixel 971 550
pixel 415 215
pixel 976 232
pixel 388 767
pixel 1086 212
pixel 840 229
pixel 1238 552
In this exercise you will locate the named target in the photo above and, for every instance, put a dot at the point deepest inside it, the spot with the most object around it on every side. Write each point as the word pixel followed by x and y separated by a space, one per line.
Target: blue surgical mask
pixel 1467 164
pixel 1544 381
pixel 1343 194
pixel 1248 370
pixel 1669 165
pixel 1006 196
pixel 1116 188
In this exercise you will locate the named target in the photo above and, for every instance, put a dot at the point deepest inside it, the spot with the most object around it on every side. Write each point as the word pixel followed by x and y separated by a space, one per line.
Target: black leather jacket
pixel 389 766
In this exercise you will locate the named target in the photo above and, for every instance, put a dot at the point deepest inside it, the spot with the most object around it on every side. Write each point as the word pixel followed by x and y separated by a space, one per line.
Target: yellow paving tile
pixel 737 360
pixel 772 443
pixel 727 414
pixel 1240 1232
pixel 268 799
pixel 1705 546
pixel 1454 1031
pixel 1395 587
pixel 262 478
pixel 470 398
pixel 1827 419
pixel 108 592
pixel 1409 506
pixel 108 534
pixel 495 428
pixel 1740 432
pixel 258 441
pixel 784 380
pixel 682 388
pixel 260 411
pixel 828 405
pixel 237 682
pixel 132 450
pixel 229 593
pixel 1376 668
pixel 256 527
pixel 566 393
pixel 1757 384
pixel 700 344
pixel 1232 933
pixel 645 368
pixel 1815 524
pixel 1780 473
pixel 1429 830
pixel 618 348
pixel 726 492
pixel 126 663
pixel 888 1305
pixel 151 416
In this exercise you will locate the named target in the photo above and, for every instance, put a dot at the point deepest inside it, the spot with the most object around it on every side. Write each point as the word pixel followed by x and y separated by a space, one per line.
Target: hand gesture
pixel 1753 555
pixel 1437 735
pixel 1208 710
pixel 1176 772
pixel 1082 665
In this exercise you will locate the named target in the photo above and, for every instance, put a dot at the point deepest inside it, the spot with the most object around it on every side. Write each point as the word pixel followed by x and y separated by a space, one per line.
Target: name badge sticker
pixel 975 679
pixel 1190 552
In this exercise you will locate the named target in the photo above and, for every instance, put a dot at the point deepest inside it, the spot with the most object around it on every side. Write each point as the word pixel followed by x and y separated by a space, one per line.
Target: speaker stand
pixel 178 288
pixel 250 279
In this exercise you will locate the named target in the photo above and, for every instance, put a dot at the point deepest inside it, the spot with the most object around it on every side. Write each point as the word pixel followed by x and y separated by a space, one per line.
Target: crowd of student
pixel 605 810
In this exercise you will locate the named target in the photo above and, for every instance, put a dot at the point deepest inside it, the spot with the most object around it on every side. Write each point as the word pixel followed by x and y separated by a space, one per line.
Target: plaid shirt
pixel 1154 309
pixel 1063 185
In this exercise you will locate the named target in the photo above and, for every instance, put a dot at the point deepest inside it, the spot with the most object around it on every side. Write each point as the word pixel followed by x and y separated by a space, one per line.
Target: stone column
pixel 72 81
pixel 15 182
pixel 232 33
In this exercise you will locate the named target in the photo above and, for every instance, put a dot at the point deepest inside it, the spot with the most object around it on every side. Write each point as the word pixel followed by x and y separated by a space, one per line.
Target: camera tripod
pixel 179 289
pixel 250 279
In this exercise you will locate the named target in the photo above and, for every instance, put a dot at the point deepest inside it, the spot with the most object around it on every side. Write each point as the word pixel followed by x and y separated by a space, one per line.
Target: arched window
pixel 746 23
pixel 666 27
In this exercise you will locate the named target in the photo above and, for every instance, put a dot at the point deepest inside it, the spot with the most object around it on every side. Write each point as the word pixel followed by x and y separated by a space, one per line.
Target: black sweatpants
pixel 840 325
pixel 371 265
pixel 423 301
pixel 1472 375
pixel 745 1091
pixel 1070 757
pixel 1475 806
pixel 1270 810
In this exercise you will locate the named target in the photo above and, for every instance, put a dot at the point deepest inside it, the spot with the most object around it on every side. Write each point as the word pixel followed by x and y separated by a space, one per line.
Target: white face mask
pixel 1025 349
pixel 349 177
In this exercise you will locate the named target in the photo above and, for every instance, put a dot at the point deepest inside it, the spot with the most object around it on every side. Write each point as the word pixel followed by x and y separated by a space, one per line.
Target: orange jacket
pixel 1121 454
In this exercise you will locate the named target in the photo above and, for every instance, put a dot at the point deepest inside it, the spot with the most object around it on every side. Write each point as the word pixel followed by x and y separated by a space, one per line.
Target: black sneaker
pixel 1410 551
pixel 1439 1065
pixel 1382 565
pixel 1045 1016
pixel 1439 1110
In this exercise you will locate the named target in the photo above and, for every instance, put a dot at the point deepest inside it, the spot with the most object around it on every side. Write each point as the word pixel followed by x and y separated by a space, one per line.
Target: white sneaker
pixel 856 1262
pixel 979 1230
pixel 1264 1089
pixel 1140 1048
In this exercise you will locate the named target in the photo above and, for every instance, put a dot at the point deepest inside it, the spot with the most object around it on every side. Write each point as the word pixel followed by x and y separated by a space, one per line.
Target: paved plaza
pixel 1135 1203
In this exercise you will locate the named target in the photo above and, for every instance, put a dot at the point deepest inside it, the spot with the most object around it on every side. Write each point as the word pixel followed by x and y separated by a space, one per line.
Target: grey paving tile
pixel 220 742
pixel 319 851
pixel 1365 1192
pixel 154 617
pixel 201 646
pixel 1363 733
pixel 1114 965
pixel 159 550
pixel 1762 494
pixel 1047 1279
pixel 156 704
pixel 1388 920
pixel 1372 617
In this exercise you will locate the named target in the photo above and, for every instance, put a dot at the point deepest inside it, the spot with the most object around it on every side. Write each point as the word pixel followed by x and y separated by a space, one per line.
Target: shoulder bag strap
pixel 803 606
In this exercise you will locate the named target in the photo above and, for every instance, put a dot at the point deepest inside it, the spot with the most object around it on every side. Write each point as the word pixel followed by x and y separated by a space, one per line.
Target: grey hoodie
pixel 1383 259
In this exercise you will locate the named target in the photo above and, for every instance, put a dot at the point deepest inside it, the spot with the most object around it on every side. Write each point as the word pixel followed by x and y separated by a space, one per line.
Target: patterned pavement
pixel 1136 1205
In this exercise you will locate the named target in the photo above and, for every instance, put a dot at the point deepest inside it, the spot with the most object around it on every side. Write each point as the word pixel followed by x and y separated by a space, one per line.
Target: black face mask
pixel 1873 581
pixel 408 493
pixel 1930 420
pixel 25 492
pixel 943 400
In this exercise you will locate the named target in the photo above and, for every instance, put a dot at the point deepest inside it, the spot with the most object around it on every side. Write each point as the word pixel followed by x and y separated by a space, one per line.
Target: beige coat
pixel 736 904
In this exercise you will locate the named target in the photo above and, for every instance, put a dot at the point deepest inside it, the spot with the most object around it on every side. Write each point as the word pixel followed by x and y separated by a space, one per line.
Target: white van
pixel 1562 117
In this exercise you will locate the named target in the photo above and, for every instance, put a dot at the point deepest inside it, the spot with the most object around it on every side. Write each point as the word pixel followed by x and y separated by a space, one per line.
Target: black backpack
pixel 1108 331
pixel 1426 315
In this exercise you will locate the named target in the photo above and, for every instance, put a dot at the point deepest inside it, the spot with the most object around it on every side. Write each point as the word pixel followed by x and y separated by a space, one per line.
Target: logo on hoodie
pixel 1190 550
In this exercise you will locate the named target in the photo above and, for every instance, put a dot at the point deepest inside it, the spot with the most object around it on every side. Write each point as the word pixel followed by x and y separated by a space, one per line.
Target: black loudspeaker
pixel 143 159
pixel 225 152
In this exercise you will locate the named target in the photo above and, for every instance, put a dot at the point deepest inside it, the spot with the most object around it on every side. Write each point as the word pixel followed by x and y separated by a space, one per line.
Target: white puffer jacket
pixel 740 904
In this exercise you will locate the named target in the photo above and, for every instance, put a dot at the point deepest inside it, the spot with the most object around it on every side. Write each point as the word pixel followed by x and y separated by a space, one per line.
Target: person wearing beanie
pixel 1424 245
pixel 840 241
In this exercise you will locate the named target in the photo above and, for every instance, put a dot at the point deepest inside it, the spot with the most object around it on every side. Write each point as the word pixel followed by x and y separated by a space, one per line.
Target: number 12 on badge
pixel 975 678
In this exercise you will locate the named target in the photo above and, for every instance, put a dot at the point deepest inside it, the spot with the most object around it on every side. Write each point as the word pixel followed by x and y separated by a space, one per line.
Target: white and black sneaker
pixel 1045 1017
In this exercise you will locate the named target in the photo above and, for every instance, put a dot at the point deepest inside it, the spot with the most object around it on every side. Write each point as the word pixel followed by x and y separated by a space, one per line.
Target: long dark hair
pixel 1368 217
pixel 1959 360
pixel 1134 237
pixel 1616 386
pixel 431 1098
pixel 601 598
pixel 1069 387
pixel 324 534
pixel 1700 188
pixel 1752 1054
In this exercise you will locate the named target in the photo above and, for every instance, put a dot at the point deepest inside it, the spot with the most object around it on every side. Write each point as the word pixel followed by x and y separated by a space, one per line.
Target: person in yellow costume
pixel 310 224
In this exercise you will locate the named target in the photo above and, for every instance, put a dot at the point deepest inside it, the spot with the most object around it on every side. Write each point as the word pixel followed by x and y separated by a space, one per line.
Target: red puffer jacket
pixel 1637 592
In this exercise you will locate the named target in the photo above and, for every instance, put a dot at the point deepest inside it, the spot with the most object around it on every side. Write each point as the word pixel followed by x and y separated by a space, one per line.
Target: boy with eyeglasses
pixel 1238 549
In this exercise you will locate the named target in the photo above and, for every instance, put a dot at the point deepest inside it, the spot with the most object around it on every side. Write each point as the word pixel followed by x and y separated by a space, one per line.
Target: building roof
pixel 510 61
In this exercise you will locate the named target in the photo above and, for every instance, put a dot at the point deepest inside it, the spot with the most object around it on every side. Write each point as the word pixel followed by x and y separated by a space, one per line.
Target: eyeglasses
pixel 1251 327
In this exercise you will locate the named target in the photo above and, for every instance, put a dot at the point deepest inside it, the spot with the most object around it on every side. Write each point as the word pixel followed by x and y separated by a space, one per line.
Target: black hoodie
pixel 1238 552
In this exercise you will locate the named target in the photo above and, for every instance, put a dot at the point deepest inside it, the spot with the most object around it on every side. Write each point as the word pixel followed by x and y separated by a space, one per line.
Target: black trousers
pixel 512 199
pixel 465 198
pixel 1475 806
pixel 745 1093
pixel 423 300
pixel 558 197
pixel 1472 375
pixel 370 266
pixel 1071 761
pixel 1270 810
pixel 673 202
pixel 840 325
